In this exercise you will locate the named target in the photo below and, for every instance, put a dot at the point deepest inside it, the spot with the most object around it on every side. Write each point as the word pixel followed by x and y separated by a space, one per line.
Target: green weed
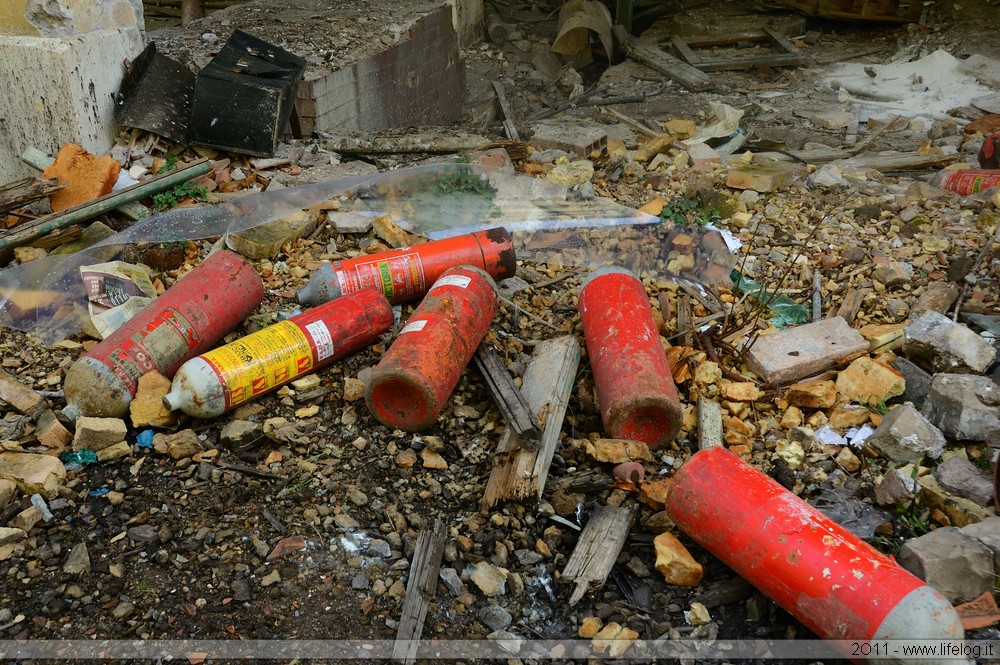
pixel 172 197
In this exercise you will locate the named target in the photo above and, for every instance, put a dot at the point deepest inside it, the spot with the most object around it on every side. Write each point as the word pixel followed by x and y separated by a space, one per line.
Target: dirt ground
pixel 183 549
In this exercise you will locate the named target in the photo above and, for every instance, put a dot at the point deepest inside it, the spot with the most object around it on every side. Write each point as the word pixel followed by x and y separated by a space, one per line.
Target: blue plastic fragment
pixel 145 438
pixel 79 457
pixel 100 492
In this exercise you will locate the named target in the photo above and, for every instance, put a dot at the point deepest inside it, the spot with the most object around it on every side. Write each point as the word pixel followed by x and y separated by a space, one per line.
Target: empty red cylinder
pixel 188 319
pixel 410 386
pixel 405 274
pixel 966 181
pixel 829 579
pixel 634 384
pixel 217 381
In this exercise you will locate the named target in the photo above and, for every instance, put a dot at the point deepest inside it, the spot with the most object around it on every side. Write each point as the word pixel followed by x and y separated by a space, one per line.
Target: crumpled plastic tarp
pixel 551 224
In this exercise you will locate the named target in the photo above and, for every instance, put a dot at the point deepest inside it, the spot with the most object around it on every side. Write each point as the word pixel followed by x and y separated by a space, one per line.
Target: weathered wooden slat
pixel 419 591
pixel 519 474
pixel 677 70
pixel 709 423
pixel 508 398
pixel 597 550
pixel 22 192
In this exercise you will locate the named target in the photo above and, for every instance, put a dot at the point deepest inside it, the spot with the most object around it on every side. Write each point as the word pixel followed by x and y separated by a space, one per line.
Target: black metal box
pixel 244 96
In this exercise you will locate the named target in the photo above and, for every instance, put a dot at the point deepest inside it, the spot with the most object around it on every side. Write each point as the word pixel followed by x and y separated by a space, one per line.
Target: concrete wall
pixel 62 18
pixel 467 17
pixel 59 90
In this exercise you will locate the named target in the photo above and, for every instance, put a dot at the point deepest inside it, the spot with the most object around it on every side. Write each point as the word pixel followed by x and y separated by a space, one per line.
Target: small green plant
pixel 464 180
pixel 169 165
pixel 982 460
pixel 876 405
pixel 170 198
pixel 682 212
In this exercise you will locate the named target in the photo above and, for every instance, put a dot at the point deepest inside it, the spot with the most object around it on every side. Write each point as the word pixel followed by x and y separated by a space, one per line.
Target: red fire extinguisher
pixel 410 386
pixel 189 318
pixel 406 274
pixel 829 579
pixel 634 385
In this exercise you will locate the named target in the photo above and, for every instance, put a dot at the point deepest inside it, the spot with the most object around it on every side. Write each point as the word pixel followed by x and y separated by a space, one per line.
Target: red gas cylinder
pixel 189 318
pixel 410 386
pixel 828 578
pixel 966 181
pixel 634 384
pixel 405 274
pixel 214 382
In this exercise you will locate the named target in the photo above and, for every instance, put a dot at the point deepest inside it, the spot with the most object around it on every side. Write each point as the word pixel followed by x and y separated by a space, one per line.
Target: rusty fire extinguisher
pixel 836 584
pixel 217 381
pixel 410 386
pixel 189 318
pixel 635 388
pixel 406 274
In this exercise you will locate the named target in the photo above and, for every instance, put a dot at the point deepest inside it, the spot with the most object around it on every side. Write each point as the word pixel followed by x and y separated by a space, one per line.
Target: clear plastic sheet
pixel 551 224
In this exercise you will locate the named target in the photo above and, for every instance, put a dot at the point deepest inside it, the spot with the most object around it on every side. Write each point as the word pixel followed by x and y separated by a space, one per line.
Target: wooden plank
pixel 849 307
pixel 781 42
pixel 725 39
pixel 508 113
pixel 22 192
pixel 519 474
pixel 508 398
pixel 709 423
pixel 772 60
pixel 684 50
pixel 685 326
pixel 677 70
pixel 631 122
pixel 597 550
pixel 419 592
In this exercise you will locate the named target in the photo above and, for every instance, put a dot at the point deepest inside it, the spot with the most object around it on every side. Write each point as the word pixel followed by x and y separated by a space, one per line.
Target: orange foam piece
pixel 86 176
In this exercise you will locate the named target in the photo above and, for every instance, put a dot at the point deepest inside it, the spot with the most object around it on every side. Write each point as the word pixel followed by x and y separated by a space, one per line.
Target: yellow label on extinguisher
pixel 261 361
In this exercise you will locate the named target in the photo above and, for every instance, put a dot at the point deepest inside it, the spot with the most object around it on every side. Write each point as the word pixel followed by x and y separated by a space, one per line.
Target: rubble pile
pixel 847 355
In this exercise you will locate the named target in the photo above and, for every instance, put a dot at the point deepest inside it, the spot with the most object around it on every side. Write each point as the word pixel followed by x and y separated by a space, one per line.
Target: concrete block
pixel 758 178
pixel 963 478
pixel 947 345
pixel 64 19
pixel 20 397
pixel 98 433
pixel 58 90
pixel 33 474
pixel 918 382
pixel 799 352
pixel 570 135
pixel 956 564
pixel 963 406
pixel 10 535
pixel 906 436
pixel 702 157
pixel 84 176
pixel 865 381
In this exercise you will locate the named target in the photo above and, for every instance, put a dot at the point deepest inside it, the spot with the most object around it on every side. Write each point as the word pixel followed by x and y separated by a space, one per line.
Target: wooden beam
pixel 419 592
pixel 688 76
pixel 519 474
pixel 508 398
pixel 508 114
pixel 597 550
